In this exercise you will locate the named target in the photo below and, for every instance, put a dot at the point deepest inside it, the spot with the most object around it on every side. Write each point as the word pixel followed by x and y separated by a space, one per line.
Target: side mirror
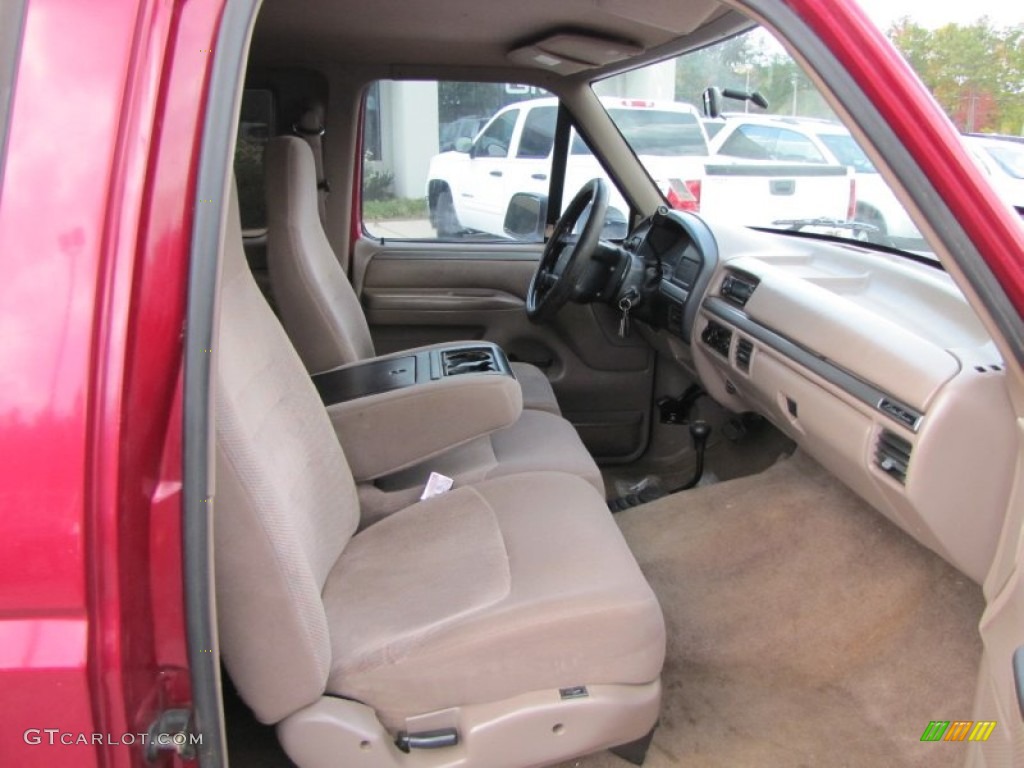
pixel 755 97
pixel 463 144
pixel 712 98
pixel 615 225
pixel 526 217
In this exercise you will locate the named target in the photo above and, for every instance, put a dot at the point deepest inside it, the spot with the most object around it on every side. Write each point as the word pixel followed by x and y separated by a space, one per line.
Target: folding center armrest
pixel 393 412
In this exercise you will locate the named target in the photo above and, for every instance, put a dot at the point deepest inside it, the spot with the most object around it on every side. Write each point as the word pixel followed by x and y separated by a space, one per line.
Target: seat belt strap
pixel 310 129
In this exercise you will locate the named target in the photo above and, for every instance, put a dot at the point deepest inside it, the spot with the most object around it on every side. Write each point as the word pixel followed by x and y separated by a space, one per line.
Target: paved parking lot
pixel 410 229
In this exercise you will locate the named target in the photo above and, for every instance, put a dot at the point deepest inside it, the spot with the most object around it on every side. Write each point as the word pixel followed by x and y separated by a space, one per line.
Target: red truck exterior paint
pixel 95 218
pixel 95 223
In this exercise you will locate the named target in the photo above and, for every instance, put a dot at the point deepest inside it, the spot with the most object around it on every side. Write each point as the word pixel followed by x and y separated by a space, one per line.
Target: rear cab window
pixel 255 127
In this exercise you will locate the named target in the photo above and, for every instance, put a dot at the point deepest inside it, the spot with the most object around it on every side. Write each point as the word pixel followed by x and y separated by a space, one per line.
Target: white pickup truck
pixel 811 140
pixel 469 189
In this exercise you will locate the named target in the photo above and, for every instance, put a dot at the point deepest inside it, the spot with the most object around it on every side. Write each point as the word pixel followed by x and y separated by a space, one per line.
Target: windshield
pixel 779 156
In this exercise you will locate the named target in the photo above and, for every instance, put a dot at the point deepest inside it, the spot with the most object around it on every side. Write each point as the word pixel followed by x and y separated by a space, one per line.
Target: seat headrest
pixel 291 183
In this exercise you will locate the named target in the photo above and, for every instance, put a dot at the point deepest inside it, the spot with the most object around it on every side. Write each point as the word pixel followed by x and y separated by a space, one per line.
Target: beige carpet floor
pixel 759 449
pixel 803 628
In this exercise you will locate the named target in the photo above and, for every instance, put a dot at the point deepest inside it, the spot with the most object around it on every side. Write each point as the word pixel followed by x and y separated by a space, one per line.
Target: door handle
pixel 539 176
pixel 495 173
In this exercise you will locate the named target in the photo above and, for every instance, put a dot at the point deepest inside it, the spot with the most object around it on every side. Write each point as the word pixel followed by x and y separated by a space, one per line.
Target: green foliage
pixel 377 185
pixel 395 208
pixel 722 65
pixel 789 91
pixel 747 62
pixel 975 72
pixel 249 175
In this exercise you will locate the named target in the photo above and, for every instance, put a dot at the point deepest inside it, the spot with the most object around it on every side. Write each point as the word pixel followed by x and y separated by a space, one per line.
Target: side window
pixel 254 130
pixel 538 133
pixel 578 146
pixel 796 147
pixel 497 137
pixel 660 130
pixel 751 142
pixel 449 157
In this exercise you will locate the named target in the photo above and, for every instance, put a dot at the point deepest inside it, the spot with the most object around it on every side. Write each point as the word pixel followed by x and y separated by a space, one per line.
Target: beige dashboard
pixel 877 367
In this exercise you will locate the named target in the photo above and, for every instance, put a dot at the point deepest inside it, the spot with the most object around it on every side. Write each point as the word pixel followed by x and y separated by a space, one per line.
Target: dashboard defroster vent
pixel 744 350
pixel 892 455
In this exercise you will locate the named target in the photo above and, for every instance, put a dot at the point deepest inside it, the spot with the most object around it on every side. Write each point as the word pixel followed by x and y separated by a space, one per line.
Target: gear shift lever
pixel 700 431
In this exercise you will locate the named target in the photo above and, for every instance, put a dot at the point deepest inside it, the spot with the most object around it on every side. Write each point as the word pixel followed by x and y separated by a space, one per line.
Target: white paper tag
pixel 436 485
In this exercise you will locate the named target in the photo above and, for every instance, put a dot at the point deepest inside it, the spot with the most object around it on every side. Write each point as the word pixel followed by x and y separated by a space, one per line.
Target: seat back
pixel 285 503
pixel 318 307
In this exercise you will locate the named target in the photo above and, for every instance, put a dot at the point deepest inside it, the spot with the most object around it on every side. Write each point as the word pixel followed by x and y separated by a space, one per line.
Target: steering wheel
pixel 566 256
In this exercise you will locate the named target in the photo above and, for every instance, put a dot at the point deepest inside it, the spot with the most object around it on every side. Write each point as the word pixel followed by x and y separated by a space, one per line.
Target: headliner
pixel 475 33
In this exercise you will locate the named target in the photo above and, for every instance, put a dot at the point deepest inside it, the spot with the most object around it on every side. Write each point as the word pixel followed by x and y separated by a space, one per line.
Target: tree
pixel 726 65
pixel 975 72
pixel 750 62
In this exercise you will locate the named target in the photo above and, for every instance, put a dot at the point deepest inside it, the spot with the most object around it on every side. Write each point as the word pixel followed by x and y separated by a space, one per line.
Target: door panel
pixel 1000 694
pixel 423 293
pixel 438 299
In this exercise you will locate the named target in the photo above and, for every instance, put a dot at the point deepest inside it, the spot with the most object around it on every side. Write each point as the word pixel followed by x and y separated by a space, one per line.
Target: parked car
pixel 462 128
pixel 370 529
pixel 470 189
pixel 822 141
pixel 1002 159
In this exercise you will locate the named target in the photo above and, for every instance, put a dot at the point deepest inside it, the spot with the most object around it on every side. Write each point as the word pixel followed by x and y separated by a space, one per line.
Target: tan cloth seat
pixel 537 441
pixel 325 322
pixel 513 586
pixel 530 587
pixel 318 307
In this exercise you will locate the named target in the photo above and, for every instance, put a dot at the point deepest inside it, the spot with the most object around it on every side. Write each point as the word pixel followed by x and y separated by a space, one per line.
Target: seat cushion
pixel 543 441
pixel 537 392
pixel 517 584
pixel 538 441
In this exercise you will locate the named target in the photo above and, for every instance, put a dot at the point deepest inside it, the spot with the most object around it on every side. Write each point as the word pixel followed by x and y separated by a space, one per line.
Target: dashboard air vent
pixel 744 349
pixel 718 337
pixel 675 318
pixel 892 455
pixel 738 288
